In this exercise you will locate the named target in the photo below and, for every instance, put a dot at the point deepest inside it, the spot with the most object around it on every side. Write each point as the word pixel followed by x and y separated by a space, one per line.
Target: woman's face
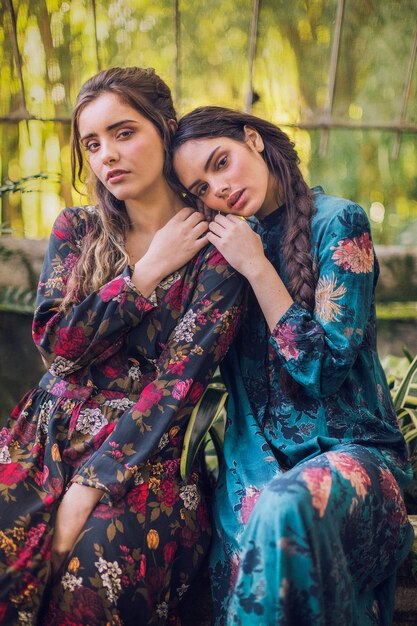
pixel 125 150
pixel 228 175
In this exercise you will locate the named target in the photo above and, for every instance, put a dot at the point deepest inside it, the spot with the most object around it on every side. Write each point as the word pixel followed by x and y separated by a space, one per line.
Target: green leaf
pixel 205 413
pixel 403 389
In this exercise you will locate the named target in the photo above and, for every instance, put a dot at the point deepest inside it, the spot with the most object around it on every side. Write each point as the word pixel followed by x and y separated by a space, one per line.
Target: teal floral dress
pixel 111 412
pixel 310 522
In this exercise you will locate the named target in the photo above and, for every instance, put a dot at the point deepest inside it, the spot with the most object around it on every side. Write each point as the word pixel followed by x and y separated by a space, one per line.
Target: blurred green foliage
pixel 202 51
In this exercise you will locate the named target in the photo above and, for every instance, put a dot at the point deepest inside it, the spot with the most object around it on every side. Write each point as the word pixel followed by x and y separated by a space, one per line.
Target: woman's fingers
pixel 217 228
pixel 200 229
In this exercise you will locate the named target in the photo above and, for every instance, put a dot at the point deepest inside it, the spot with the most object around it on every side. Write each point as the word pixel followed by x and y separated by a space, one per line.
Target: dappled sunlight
pixel 355 135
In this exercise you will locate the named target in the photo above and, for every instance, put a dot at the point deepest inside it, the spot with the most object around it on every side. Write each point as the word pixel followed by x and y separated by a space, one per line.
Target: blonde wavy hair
pixel 103 255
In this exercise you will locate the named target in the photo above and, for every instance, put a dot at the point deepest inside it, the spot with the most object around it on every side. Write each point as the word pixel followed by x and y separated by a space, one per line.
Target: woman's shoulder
pixel 73 220
pixel 337 214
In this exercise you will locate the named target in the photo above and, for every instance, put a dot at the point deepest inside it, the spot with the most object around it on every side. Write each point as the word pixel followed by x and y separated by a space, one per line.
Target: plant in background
pixel 11 186
pixel 17 298
pixel 402 380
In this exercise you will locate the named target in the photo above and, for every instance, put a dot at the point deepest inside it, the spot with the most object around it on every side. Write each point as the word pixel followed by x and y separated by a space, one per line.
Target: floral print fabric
pixel 281 474
pixel 111 412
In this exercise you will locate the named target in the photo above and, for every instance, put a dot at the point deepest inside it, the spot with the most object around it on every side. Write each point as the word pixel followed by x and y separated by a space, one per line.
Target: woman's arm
pixel 243 249
pixel 189 359
pixel 317 349
pixel 96 326
pixel 79 335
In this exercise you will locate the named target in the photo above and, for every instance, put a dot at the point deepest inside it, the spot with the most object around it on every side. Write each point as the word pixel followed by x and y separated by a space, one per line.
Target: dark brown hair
pixel 103 254
pixel 282 161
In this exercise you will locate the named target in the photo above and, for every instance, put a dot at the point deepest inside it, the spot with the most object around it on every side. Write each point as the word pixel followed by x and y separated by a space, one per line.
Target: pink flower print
pixel 234 571
pixel 392 493
pixel 177 295
pixel 196 392
pixel 286 338
pixel 355 254
pixel 59 388
pixel 352 471
pixel 248 502
pixel 70 261
pixel 319 484
pixel 112 289
pixel 149 397
pixel 181 388
pixel 71 342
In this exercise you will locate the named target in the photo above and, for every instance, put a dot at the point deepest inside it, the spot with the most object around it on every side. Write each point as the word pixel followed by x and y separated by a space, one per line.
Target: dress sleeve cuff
pixel 108 475
pixel 294 312
pixel 127 277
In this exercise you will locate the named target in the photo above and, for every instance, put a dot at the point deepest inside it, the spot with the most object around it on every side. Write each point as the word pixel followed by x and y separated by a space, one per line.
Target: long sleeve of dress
pixel 188 360
pixel 71 339
pixel 319 349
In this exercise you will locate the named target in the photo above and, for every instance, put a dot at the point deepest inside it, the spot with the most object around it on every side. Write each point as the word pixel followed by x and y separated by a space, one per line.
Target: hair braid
pixel 297 242
pixel 282 161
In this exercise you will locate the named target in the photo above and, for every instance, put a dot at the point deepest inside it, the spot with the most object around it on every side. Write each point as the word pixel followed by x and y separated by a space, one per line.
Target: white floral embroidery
pixel 135 373
pixel 152 298
pixel 162 609
pixel 90 421
pixel 327 294
pixel 110 574
pixel 190 496
pixel 186 328
pixel 44 416
pixel 181 590
pixel 163 441
pixel 70 582
pixel 119 403
pixel 61 366
pixel 5 455
pixel 138 480
pixel 25 618
pixel 167 282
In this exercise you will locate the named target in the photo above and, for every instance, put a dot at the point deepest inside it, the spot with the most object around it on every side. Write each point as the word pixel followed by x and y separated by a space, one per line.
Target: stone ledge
pixel 397 282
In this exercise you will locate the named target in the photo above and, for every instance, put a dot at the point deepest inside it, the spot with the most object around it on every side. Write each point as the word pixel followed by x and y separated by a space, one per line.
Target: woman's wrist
pixel 146 276
pixel 254 269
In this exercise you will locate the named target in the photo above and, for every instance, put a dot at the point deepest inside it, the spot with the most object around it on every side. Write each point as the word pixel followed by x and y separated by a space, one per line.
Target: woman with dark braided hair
pixel 134 313
pixel 310 521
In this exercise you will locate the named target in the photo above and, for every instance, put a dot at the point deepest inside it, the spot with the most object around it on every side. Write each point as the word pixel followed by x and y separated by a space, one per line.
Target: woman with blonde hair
pixel 134 312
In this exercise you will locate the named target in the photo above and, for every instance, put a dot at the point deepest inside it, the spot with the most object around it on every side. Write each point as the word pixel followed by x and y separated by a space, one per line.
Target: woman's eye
pixel 123 134
pixel 202 190
pixel 221 162
pixel 91 146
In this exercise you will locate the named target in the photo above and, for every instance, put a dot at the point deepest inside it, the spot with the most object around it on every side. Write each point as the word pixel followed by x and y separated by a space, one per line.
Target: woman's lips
pixel 115 176
pixel 236 200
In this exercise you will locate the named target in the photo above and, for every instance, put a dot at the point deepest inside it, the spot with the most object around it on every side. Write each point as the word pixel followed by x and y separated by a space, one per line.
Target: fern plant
pixel 404 395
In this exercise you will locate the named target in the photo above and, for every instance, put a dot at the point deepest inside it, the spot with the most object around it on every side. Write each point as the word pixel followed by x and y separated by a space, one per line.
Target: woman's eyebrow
pixel 206 166
pixel 108 128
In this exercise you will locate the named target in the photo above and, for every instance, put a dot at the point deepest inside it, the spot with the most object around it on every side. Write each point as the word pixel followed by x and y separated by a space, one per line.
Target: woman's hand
pixel 172 246
pixel 178 241
pixel 73 512
pixel 243 249
pixel 238 243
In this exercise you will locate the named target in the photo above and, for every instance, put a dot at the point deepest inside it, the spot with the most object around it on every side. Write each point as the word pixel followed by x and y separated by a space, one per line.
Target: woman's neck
pixel 148 215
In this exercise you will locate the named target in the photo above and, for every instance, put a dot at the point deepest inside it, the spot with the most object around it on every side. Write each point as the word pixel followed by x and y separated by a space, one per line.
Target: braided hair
pixel 283 162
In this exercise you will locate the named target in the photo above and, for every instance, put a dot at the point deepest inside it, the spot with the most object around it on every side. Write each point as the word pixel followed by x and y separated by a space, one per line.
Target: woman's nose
pixel 222 190
pixel 109 153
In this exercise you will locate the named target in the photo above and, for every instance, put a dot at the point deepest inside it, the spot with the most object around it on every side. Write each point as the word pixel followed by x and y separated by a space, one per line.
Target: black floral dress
pixel 111 413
